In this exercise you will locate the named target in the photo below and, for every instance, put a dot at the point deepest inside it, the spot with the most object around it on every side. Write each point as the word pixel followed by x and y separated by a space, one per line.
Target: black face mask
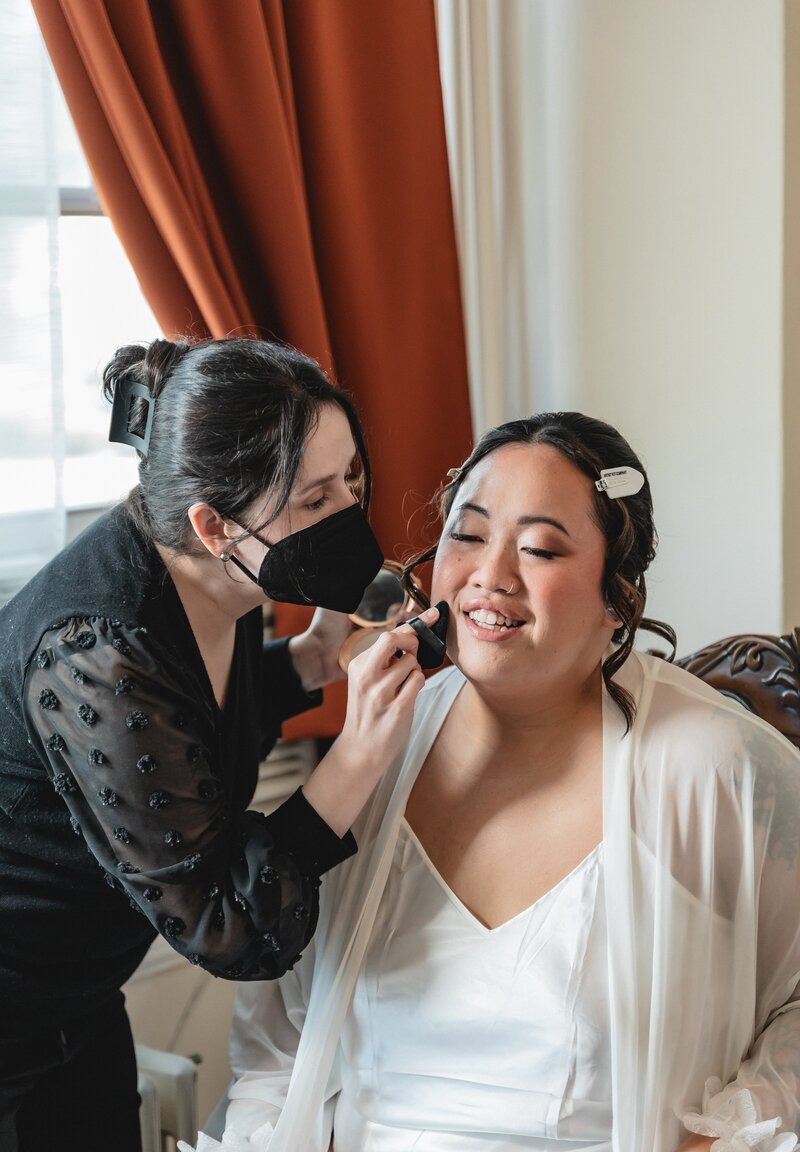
pixel 328 564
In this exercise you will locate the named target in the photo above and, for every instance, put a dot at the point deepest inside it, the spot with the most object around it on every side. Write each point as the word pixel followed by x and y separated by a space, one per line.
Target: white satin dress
pixel 463 1038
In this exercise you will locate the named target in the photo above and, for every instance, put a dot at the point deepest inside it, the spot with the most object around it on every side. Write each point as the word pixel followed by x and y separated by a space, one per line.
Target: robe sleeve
pixel 760 1107
pixel 265 1032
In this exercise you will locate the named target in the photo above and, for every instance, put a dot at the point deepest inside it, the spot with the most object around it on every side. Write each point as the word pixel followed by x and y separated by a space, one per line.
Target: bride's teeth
pixel 489 619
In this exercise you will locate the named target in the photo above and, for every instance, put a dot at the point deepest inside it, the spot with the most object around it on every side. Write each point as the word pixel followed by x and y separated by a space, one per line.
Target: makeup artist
pixel 138 699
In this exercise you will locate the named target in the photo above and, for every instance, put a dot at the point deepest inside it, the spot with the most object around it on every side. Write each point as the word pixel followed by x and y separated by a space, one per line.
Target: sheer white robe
pixel 701 851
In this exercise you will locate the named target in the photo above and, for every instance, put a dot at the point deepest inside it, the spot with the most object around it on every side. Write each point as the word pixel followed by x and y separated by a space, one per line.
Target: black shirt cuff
pixel 299 829
pixel 288 696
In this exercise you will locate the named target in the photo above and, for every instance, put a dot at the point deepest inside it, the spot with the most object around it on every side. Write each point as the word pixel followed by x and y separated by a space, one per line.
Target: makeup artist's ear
pixel 209 528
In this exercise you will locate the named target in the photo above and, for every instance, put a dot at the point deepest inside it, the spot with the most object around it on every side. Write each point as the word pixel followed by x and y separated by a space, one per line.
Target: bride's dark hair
pixel 626 523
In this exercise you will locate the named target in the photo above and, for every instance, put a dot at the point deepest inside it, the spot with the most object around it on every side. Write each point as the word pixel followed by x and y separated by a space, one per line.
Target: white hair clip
pixel 616 482
pixel 454 473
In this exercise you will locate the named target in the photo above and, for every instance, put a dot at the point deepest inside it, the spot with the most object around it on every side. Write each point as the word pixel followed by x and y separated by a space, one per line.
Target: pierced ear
pixel 209 528
pixel 613 616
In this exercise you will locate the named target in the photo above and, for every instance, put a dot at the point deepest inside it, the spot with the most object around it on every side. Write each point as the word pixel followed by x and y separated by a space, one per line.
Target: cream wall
pixel 666 208
pixel 791 322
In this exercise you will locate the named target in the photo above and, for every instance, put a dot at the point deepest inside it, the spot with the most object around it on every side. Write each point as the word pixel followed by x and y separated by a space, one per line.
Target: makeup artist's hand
pixel 384 683
pixel 315 652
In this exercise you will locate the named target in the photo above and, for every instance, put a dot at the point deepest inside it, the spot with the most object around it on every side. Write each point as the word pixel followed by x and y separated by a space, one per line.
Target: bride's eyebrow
pixel 543 520
pixel 522 521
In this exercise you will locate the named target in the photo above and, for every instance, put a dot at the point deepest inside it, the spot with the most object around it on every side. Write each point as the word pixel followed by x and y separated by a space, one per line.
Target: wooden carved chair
pixel 761 672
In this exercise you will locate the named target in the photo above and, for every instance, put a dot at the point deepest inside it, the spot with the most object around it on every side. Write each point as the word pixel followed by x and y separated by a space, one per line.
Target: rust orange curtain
pixel 280 167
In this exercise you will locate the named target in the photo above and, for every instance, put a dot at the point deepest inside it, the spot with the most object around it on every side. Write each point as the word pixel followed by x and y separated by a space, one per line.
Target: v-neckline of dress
pixel 474 921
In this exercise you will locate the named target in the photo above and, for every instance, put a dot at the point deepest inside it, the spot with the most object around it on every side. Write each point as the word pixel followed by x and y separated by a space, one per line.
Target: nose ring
pixel 508 591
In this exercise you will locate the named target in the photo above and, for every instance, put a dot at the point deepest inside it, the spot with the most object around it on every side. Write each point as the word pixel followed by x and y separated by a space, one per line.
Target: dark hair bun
pixel 148 364
pixel 230 423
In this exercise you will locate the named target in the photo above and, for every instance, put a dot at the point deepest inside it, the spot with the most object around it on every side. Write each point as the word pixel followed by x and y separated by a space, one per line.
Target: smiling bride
pixel 572 925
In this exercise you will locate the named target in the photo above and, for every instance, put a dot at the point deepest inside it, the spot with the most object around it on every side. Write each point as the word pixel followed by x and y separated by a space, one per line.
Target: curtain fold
pixel 280 167
pixel 496 82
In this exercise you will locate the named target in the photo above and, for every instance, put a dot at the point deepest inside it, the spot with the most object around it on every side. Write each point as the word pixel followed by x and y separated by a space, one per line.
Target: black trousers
pixel 73 1089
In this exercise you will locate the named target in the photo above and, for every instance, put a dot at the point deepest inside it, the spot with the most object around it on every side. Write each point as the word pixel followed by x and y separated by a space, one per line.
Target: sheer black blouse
pixel 124 788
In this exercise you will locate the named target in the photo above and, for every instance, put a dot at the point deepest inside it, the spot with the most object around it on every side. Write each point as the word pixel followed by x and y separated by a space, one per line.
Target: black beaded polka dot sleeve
pixel 134 746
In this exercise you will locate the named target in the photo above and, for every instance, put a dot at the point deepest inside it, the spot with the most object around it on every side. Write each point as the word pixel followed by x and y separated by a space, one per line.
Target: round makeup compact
pixel 380 609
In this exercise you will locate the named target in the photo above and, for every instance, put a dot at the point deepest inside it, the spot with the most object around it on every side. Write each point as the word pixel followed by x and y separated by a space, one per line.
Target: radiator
pixel 168 1091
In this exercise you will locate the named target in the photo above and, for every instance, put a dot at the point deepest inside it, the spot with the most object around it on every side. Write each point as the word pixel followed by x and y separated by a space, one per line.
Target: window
pixel 53 418
pixel 102 307
pixel 68 298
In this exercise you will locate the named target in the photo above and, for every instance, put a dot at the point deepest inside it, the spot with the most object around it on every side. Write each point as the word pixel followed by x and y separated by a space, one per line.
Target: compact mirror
pixel 383 600
pixel 381 606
